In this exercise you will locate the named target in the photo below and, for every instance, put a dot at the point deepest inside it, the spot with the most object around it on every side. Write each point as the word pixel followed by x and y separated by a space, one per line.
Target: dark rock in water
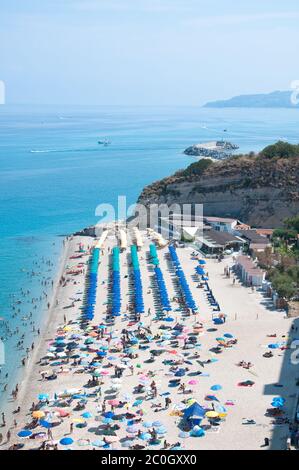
pixel 86 232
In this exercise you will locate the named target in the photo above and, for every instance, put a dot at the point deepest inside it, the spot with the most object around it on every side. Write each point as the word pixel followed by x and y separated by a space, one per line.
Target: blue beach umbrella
pixel 108 414
pixel 112 358
pixel 197 431
pixel 157 424
pixel 145 436
pixel 43 396
pixel 216 387
pixel 126 444
pixel 161 430
pixel 24 433
pixel 106 420
pixel 184 435
pixel 66 441
pixel 98 443
pixel 220 409
pixel 132 429
pixel 46 424
pixel 148 424
pixel 101 353
pixel 211 398
pixel 137 402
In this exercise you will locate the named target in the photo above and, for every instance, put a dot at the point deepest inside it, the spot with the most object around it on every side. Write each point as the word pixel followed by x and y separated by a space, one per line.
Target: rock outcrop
pixel 217 150
pixel 257 190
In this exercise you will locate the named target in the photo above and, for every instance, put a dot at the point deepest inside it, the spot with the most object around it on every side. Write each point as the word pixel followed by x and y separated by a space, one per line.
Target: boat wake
pixel 64 150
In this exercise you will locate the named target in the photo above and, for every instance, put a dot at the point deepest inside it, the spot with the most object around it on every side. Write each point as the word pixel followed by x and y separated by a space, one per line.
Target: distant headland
pixel 276 99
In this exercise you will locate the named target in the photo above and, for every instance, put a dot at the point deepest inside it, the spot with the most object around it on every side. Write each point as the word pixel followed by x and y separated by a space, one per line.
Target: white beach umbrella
pixel 116 380
pixel 50 354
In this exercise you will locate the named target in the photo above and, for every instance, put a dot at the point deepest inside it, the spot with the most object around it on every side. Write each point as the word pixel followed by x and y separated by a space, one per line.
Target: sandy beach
pixel 79 410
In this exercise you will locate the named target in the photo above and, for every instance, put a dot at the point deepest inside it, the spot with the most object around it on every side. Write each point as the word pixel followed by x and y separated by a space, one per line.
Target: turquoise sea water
pixel 53 174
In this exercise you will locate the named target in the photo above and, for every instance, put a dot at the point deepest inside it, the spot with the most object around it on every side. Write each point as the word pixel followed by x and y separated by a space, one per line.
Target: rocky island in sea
pixel 216 150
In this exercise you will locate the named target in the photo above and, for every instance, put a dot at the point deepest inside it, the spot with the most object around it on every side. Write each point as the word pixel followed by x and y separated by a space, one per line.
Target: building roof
pixel 253 237
pixel 220 239
pixel 241 226
pixel 179 220
pixel 226 220
pixel 249 266
pixel 265 231
pixel 259 246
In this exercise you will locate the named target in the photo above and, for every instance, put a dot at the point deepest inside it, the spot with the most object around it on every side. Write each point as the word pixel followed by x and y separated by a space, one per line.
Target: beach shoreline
pixel 249 319
pixel 48 318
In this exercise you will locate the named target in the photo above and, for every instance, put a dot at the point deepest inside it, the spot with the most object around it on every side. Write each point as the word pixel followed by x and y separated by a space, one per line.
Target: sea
pixel 54 174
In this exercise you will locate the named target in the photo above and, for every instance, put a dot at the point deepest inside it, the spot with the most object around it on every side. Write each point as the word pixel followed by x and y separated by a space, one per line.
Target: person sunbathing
pixel 177 444
pixel 268 354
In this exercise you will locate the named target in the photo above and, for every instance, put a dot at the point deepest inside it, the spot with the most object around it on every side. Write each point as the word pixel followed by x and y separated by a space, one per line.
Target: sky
pixel 146 52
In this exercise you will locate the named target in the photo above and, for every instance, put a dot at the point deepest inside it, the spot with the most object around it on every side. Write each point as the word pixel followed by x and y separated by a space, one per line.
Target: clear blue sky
pixel 161 52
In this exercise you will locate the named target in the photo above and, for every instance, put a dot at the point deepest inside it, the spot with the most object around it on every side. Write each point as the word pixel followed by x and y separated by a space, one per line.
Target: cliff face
pixel 261 192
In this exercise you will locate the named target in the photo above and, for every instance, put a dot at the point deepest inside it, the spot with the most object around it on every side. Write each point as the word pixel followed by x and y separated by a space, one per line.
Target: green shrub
pixel 292 223
pixel 280 150
pixel 197 168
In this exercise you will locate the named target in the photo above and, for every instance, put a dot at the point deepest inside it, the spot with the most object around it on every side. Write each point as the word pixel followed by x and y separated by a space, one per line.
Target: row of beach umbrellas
pixel 116 292
pixel 164 299
pixel 90 294
pixel 182 279
pixel 138 293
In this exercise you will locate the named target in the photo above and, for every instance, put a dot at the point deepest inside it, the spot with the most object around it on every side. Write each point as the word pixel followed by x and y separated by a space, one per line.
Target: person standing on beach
pixel 167 402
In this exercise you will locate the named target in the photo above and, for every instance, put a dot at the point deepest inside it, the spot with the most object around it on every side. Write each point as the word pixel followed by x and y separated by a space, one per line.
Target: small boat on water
pixel 104 142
